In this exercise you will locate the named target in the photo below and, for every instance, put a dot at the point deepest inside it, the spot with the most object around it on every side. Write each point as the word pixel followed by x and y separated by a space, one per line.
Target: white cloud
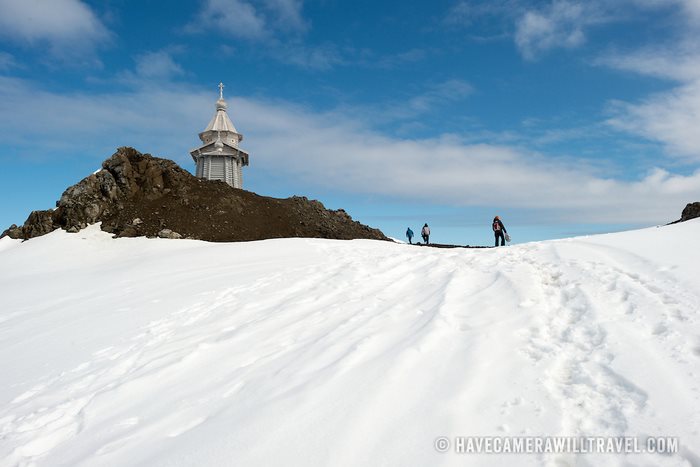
pixel 411 107
pixel 446 91
pixel 151 68
pixel 321 58
pixel 337 151
pixel 541 26
pixel 274 24
pixel 326 56
pixel 287 14
pixel 671 118
pixel 445 170
pixel 395 60
pixel 536 27
pixel 241 18
pixel 233 17
pixel 678 62
pixel 65 24
pixel 466 12
pixel 560 25
pixel 689 10
pixel 6 61
pixel 693 8
pixel 158 64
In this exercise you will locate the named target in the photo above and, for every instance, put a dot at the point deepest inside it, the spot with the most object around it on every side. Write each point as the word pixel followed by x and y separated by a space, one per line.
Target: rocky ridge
pixel 136 194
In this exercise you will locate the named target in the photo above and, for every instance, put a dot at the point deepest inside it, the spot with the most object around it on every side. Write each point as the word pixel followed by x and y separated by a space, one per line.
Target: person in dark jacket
pixel 409 235
pixel 425 233
pixel 499 230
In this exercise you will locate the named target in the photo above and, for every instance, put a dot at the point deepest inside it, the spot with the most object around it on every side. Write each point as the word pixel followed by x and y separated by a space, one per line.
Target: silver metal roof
pixel 221 122
pixel 220 138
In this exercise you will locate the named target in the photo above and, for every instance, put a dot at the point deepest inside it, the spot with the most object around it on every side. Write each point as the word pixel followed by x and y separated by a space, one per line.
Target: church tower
pixel 219 157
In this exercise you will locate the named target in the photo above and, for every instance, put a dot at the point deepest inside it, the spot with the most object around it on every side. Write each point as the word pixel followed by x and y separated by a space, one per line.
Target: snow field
pixel 320 352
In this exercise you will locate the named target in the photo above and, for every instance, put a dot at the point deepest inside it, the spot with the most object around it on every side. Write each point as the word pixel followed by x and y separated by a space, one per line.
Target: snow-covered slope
pixel 319 352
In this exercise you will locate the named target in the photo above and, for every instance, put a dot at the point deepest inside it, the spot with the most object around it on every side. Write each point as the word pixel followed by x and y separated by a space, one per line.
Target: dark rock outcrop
pixel 139 195
pixel 691 211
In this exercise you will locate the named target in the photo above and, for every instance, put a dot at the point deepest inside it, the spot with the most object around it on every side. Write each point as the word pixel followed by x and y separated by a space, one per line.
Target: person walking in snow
pixel 409 235
pixel 499 230
pixel 425 233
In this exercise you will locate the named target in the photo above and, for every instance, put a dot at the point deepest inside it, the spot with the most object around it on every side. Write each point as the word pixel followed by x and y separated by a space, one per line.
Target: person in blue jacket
pixel 409 235
pixel 499 230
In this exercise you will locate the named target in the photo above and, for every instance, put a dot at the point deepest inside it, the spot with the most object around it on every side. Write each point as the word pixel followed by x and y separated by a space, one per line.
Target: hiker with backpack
pixel 409 235
pixel 425 233
pixel 499 231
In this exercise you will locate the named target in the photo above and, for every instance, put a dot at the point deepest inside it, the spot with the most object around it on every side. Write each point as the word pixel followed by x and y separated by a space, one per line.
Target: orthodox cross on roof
pixel 221 90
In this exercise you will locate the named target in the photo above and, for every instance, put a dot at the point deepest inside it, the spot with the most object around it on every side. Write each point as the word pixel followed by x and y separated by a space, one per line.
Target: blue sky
pixel 564 117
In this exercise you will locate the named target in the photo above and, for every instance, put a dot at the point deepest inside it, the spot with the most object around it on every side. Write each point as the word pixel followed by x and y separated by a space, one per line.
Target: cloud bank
pixel 66 26
pixel 338 152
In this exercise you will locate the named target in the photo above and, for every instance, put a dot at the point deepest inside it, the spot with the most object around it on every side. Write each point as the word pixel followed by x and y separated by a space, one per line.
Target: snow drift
pixel 155 352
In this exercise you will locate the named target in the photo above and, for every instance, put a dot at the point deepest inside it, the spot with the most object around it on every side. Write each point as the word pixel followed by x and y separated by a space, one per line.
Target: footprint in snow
pixel 660 329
